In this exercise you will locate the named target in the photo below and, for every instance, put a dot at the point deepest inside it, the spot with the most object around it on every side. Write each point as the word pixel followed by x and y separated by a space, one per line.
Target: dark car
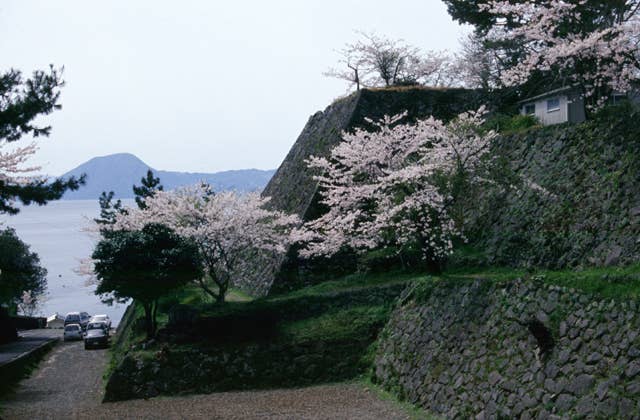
pixel 72 318
pixel 84 319
pixel 95 325
pixel 96 336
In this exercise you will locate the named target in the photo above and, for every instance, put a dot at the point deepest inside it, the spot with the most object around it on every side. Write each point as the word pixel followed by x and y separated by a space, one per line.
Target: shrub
pixel 503 123
pixel 611 113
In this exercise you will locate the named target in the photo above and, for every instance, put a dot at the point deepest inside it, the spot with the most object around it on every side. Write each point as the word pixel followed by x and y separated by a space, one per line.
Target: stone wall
pixel 521 349
pixel 582 203
pixel 293 189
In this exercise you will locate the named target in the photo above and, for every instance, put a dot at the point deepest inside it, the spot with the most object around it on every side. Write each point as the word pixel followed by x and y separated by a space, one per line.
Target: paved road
pixel 28 340
pixel 68 384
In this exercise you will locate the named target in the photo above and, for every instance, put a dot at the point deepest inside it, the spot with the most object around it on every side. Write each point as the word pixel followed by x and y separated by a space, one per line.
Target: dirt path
pixel 68 384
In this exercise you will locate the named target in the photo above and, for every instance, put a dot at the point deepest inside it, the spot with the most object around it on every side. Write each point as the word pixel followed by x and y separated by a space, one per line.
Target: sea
pixel 55 233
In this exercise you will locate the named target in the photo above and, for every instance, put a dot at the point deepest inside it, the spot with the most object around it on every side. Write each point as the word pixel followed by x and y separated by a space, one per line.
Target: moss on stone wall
pixel 512 349
pixel 579 200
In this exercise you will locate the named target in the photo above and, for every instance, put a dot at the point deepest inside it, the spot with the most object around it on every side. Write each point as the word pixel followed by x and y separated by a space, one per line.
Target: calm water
pixel 54 232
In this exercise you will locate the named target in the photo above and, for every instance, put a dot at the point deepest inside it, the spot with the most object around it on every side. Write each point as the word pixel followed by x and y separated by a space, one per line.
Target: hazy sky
pixel 196 85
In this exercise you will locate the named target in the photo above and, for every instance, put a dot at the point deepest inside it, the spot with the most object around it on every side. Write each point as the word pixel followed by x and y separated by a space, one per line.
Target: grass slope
pixel 320 334
pixel 618 283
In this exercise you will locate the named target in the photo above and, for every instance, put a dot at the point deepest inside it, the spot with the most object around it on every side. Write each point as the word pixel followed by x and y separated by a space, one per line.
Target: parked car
pixel 84 319
pixel 101 318
pixel 96 325
pixel 97 335
pixel 72 318
pixel 72 332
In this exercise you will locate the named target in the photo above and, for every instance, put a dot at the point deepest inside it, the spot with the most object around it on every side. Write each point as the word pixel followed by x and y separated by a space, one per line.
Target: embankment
pixel 517 349
pixel 578 200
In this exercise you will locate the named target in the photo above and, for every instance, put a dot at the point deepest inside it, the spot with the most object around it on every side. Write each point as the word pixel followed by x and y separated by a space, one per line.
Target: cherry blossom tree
pixel 377 61
pixel 22 101
pixel 357 69
pixel 224 226
pixel 435 69
pixel 389 59
pixel 12 164
pixel 584 43
pixel 380 191
pixel 30 302
pixel 477 66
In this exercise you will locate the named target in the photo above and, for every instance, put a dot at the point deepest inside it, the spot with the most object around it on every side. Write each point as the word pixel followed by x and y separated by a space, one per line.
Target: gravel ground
pixel 68 384
pixel 341 401
pixel 68 381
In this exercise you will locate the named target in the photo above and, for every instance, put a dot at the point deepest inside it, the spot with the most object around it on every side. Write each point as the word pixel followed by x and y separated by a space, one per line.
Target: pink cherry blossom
pixel 225 226
pixel 12 160
pixel 599 60
pixel 378 185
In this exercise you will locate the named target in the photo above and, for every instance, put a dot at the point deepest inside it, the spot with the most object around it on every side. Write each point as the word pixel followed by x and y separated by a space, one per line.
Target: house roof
pixel 54 317
pixel 548 93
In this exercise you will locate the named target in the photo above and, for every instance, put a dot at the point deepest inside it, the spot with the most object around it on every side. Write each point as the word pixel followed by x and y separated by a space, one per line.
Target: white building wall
pixel 554 117
pixel 56 323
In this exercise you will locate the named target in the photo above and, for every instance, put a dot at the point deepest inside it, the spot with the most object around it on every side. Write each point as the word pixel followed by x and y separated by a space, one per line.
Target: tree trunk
pixel 434 266
pixel 154 317
pixel 148 319
pixel 223 287
pixel 206 289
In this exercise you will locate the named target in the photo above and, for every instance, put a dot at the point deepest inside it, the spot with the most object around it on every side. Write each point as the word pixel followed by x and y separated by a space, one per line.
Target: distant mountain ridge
pixel 119 172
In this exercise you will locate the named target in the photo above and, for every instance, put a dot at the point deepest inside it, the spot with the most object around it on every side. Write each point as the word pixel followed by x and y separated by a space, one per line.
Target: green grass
pixel 339 324
pixel 606 282
pixel 134 334
pixel 125 337
pixel 353 282
pixel 511 124
pixel 344 307
pixel 236 295
pixel 313 300
pixel 319 334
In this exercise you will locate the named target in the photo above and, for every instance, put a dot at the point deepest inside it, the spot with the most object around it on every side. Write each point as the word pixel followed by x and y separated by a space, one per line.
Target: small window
pixel 530 109
pixel 553 105
pixel 618 98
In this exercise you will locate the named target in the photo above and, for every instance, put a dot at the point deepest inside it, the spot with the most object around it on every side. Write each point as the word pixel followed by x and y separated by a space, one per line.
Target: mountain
pixel 119 172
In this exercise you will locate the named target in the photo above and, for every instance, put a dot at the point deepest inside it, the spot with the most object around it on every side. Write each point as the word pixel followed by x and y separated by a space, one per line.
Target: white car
pixel 72 332
pixel 102 318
